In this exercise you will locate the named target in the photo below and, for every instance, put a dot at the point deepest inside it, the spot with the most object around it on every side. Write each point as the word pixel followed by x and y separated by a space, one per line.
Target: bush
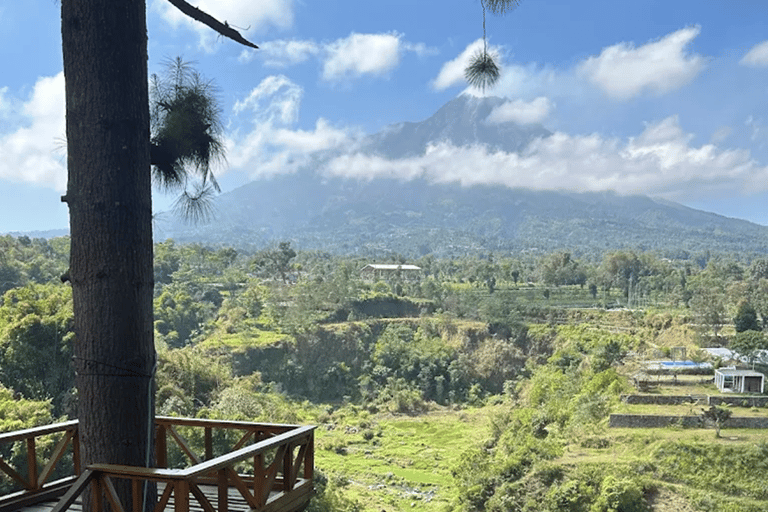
pixel 619 495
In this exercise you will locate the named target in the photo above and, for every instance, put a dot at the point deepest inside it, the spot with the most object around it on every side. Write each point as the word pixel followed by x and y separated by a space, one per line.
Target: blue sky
pixel 668 99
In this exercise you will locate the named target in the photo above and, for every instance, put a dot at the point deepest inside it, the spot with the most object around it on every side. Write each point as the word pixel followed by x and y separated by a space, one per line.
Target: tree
pixel 718 416
pixel 746 318
pixel 277 261
pixel 36 343
pixel 748 344
pixel 482 70
pixel 109 195
pixel 708 302
pixel 109 198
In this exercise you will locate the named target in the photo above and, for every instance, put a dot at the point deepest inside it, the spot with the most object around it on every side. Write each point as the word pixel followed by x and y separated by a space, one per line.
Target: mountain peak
pixel 460 122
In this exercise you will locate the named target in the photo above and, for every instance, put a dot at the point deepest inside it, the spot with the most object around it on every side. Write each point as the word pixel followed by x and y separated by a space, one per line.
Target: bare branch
pixel 206 19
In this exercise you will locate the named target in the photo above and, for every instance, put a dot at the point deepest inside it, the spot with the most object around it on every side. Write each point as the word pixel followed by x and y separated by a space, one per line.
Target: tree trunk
pixel 109 198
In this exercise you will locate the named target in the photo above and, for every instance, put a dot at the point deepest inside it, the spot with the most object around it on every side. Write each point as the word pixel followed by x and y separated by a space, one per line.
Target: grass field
pixel 398 462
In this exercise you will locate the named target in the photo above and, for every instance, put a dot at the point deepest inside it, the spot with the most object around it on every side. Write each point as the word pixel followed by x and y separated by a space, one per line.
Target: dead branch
pixel 206 19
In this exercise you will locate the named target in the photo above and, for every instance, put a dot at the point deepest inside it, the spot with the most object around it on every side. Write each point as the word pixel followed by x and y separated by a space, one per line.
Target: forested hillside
pixel 482 383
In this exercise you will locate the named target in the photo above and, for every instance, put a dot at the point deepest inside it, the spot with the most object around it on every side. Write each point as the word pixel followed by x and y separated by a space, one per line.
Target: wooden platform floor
pixel 236 501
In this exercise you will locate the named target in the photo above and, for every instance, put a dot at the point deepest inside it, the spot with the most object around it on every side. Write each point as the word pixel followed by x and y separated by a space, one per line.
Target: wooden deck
pixel 203 465
pixel 236 502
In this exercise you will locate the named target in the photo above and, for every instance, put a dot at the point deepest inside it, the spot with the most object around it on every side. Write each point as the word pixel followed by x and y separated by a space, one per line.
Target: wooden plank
pixel 163 501
pixel 161 447
pixel 74 492
pixel 202 499
pixel 309 458
pixel 137 499
pixel 278 502
pixel 181 496
pixel 111 492
pixel 8 470
pixel 20 435
pixel 288 468
pixel 76 449
pixel 243 440
pixel 223 491
pixel 184 446
pixel 56 456
pixel 32 461
pixel 208 443
pixel 235 479
pixel 246 452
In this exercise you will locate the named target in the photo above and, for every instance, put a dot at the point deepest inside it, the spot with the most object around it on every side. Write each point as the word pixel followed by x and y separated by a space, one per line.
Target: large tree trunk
pixel 109 198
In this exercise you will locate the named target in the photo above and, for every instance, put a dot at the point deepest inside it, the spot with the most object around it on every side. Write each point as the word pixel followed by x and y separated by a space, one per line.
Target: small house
pixel 375 271
pixel 733 380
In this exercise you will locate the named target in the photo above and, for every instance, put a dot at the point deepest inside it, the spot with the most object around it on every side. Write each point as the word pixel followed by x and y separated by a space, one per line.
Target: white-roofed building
pixel 732 380
pixel 375 271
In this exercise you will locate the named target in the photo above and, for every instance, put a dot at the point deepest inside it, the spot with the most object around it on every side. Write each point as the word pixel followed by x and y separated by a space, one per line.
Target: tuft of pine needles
pixel 482 70
pixel 186 138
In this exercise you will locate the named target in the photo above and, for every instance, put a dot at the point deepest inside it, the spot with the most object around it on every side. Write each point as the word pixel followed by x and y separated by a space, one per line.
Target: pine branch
pixel 206 19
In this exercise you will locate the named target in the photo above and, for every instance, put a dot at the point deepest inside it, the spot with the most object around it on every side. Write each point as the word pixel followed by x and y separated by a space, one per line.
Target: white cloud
pixel 4 104
pixel 452 72
pixel 283 98
pixel 361 54
pixel 246 16
pixel 757 56
pixel 522 112
pixel 283 53
pixel 342 59
pixel 30 152
pixel 623 71
pixel 271 144
pixel 660 161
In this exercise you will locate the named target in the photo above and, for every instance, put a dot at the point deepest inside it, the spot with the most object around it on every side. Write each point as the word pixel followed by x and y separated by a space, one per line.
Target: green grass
pixel 242 341
pixel 684 410
pixel 405 462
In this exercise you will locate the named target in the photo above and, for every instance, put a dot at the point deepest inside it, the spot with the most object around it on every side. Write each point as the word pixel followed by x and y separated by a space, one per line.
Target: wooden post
pixel 76 451
pixel 32 462
pixel 208 443
pixel 258 478
pixel 309 458
pixel 161 447
pixel 137 495
pixel 288 468
pixel 223 482
pixel 181 496
pixel 98 499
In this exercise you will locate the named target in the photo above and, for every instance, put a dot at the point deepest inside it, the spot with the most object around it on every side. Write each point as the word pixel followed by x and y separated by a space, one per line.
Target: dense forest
pixel 499 370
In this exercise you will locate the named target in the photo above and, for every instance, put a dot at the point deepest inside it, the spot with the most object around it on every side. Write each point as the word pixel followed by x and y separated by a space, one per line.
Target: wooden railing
pixel 35 483
pixel 269 467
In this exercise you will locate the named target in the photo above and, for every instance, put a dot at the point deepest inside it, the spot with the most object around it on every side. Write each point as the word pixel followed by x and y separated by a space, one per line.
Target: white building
pixel 732 380
pixel 375 271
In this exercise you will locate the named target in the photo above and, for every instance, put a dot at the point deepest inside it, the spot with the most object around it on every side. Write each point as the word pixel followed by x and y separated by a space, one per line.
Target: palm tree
pixel 186 137
pixel 482 70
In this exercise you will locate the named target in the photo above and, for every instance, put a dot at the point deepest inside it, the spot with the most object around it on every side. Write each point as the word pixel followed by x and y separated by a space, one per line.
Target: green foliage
pixel 36 343
pixel 749 343
pixel 189 378
pixel 746 318
pixel 718 416
pixel 560 268
pixel 20 413
pixel 186 136
pixel 701 466
pixel 619 495
pixel 275 263
pixel 245 401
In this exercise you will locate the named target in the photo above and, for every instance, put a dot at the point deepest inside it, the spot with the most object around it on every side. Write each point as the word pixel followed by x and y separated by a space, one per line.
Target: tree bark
pixel 109 198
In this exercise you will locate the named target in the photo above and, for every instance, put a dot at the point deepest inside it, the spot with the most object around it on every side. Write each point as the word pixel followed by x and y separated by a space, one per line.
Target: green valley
pixel 481 383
